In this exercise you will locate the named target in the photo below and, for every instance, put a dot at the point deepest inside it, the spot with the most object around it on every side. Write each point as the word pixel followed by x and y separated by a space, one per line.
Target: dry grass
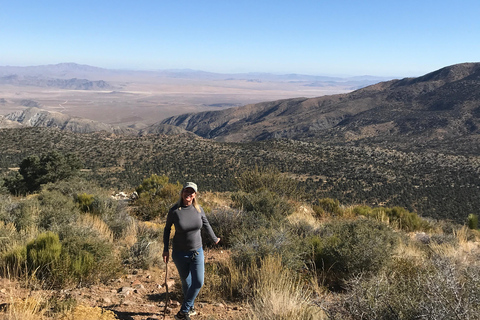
pixel 97 224
pixel 303 213
pixel 30 308
pixel 279 294
pixel 88 313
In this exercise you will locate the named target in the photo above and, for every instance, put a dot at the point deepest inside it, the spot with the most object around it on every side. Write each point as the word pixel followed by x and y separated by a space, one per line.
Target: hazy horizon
pixel 373 37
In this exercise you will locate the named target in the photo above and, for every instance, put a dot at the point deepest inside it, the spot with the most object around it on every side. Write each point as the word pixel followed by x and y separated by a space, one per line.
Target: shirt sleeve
pixel 167 230
pixel 208 227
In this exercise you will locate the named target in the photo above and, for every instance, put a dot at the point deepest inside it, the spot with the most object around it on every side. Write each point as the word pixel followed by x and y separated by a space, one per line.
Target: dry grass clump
pixel 279 294
pixel 82 312
pixel 30 308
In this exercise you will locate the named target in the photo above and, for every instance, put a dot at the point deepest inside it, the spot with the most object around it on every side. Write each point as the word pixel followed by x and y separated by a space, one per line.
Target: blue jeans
pixel 191 268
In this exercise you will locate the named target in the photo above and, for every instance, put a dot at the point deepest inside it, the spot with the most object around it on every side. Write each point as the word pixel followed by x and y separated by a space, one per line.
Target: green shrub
pixel 472 221
pixel 37 170
pixel 84 201
pixel 263 203
pixel 148 249
pixel 251 246
pixel 25 214
pixel 42 254
pixel 226 222
pixel 271 179
pixel 327 206
pixel 155 197
pixel 14 262
pixel 87 259
pixel 405 220
pixel 73 186
pixel 345 248
pixel 57 210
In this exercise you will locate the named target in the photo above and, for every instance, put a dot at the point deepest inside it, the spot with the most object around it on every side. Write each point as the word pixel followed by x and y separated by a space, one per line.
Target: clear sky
pixel 329 37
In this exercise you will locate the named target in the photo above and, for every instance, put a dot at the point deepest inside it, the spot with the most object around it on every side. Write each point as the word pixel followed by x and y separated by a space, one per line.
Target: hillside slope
pixel 36 117
pixel 440 105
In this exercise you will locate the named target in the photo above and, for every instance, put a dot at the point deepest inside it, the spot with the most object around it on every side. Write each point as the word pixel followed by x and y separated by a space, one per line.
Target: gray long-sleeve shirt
pixel 188 223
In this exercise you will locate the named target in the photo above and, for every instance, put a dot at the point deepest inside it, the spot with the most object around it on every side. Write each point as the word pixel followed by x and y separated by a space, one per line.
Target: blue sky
pixel 338 37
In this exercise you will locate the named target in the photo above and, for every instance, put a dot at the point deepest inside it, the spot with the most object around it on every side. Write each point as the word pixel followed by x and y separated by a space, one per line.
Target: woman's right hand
pixel 166 256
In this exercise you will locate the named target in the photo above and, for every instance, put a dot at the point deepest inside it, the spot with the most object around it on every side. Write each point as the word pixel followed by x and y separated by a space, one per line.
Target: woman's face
pixel 188 194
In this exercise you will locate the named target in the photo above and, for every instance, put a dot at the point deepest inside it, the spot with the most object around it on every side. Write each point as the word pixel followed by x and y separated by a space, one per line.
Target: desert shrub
pixel 148 249
pixel 397 217
pixel 433 289
pixel 327 206
pixel 155 197
pixel 25 214
pixel 57 210
pixel 86 259
pixel 406 220
pixel 269 178
pixel 263 203
pixel 14 262
pixel 42 254
pixel 472 221
pixel 251 246
pixel 84 201
pixel 226 223
pixel 227 281
pixel 116 217
pixel 279 294
pixel 73 186
pixel 8 235
pixel 378 214
pixel 342 249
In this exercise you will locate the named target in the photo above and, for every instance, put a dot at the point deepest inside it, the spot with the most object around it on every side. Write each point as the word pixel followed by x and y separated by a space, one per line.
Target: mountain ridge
pixel 440 104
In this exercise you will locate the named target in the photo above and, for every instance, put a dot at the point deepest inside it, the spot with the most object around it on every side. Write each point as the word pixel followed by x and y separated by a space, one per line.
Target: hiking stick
pixel 166 290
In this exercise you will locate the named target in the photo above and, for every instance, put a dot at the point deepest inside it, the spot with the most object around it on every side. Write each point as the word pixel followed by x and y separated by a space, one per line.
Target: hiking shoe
pixel 192 311
pixel 182 316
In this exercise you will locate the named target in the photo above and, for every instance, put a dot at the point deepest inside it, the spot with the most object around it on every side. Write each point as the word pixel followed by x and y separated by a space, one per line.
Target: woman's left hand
pixel 217 241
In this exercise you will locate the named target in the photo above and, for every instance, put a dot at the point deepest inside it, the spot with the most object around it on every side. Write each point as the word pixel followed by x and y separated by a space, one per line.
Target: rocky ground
pixel 138 295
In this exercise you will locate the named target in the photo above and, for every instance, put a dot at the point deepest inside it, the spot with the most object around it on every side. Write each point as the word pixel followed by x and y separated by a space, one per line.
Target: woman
pixel 187 253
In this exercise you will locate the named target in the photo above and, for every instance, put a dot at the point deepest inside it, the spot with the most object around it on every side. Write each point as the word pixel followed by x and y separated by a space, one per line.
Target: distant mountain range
pixel 440 105
pixel 57 74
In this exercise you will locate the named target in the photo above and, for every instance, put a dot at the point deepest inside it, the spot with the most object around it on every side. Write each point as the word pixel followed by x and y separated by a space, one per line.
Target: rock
pixel 422 237
pixel 125 290
pixel 105 300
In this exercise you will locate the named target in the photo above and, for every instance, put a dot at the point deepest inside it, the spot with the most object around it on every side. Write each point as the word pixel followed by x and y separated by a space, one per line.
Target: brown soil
pixel 138 295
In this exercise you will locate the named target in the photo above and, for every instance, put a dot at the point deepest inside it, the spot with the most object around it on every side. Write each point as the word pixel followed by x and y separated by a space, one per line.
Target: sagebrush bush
pixel 255 244
pixel 342 249
pixel 147 251
pixel 269 178
pixel 226 222
pixel 25 214
pixel 57 210
pixel 434 289
pixel 263 203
